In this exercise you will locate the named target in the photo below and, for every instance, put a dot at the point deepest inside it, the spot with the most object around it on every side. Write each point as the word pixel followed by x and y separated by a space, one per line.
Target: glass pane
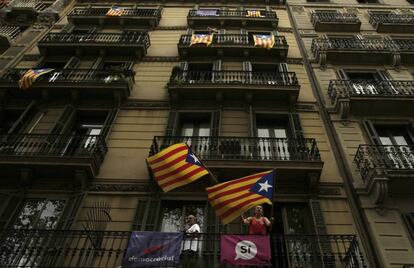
pixel 40 214
pixel 280 133
pixel 263 133
pixel 204 131
pixel 385 141
pixel 50 214
pixel 172 219
pixel 296 221
pixel 400 140
pixel 29 214
pixel 187 129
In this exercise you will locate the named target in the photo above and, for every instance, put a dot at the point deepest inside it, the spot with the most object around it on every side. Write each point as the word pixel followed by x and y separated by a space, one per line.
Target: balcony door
pixel 272 134
pixel 195 130
pixel 398 145
pixel 369 82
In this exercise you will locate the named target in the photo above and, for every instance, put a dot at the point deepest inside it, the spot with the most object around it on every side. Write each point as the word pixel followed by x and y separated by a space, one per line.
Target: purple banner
pixel 147 249
pixel 245 250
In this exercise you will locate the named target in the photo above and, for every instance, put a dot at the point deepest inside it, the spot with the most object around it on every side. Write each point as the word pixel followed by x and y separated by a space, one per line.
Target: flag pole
pixel 273 200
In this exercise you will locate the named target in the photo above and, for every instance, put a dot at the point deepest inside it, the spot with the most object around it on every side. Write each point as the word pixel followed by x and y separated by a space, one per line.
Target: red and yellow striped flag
pixel 264 40
pixel 115 12
pixel 231 199
pixel 201 39
pixel 175 166
pixel 29 77
pixel 254 14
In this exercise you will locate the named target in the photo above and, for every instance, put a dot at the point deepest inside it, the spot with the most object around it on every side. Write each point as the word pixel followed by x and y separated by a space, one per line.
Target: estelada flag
pixel 201 39
pixel 254 14
pixel 115 12
pixel 175 166
pixel 264 40
pixel 30 76
pixel 231 199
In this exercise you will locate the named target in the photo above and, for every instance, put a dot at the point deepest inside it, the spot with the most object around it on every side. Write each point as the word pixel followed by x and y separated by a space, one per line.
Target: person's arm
pixel 246 220
pixel 266 221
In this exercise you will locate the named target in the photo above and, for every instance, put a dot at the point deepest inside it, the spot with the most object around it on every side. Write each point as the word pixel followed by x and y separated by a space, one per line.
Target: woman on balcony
pixel 257 223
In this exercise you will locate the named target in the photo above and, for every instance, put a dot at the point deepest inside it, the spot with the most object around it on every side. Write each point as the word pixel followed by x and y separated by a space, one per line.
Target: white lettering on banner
pixel 157 259
pixel 245 250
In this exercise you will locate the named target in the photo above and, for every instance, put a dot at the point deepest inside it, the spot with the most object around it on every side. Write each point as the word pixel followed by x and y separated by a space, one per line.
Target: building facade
pixel 326 104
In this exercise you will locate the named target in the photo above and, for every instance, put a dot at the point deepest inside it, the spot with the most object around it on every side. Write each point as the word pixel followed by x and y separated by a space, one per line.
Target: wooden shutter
pixel 72 63
pixel 147 215
pixel 24 118
pixel 296 126
pixel 171 123
pixel 217 67
pixel 109 121
pixel 372 132
pixel 409 221
pixel 65 121
pixel 10 204
pixel 71 210
pixel 215 123
pixel 253 123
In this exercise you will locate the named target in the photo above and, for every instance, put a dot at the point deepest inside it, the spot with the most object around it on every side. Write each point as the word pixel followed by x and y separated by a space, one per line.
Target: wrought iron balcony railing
pixel 334 17
pixel 351 44
pixel 232 13
pixel 127 12
pixel 233 40
pixel 244 148
pixel 130 37
pixel 369 88
pixel 104 249
pixel 382 18
pixel 233 78
pixel 53 146
pixel 404 45
pixel 374 159
pixel 71 76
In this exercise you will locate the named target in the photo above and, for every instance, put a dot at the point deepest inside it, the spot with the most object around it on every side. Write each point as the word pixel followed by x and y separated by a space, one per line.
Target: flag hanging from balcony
pixel 254 14
pixel 29 77
pixel 201 39
pixel 231 199
pixel 115 12
pixel 176 166
pixel 264 40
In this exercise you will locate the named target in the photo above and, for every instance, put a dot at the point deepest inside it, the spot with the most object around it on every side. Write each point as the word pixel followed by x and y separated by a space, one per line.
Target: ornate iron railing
pixel 369 88
pixel 220 40
pixel 233 77
pixel 390 18
pixel 404 45
pixel 372 159
pixel 104 249
pixel 231 13
pixel 351 44
pixel 127 12
pixel 54 146
pixel 128 37
pixel 334 17
pixel 71 76
pixel 243 148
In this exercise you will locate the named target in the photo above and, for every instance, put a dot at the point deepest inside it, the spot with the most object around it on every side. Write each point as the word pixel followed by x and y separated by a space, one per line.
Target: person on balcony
pixel 190 245
pixel 257 223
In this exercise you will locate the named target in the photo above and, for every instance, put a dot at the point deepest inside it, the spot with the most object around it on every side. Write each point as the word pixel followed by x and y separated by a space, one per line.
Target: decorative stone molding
pixel 171 28
pixel 294 61
pixel 143 187
pixel 141 104
pixel 160 59
pixel 343 108
pixel 329 191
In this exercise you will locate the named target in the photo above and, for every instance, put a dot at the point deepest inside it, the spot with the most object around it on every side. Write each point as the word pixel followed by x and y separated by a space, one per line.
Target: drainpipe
pixel 354 201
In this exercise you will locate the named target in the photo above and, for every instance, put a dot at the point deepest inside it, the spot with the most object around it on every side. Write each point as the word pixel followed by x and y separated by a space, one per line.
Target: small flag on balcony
pixel 115 12
pixel 254 14
pixel 175 166
pixel 264 40
pixel 231 199
pixel 29 77
pixel 201 39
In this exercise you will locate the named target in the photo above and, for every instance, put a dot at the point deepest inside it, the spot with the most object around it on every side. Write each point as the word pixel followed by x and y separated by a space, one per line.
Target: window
pixel 272 132
pixel 199 72
pixel 173 215
pixel 39 214
pixel 14 121
pixel 194 127
pixel 368 82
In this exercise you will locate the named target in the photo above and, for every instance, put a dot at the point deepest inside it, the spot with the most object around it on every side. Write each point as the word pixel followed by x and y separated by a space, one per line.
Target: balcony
pixel 86 84
pixel 132 17
pixel 24 12
pixel 388 168
pixel 335 22
pixel 233 85
pixel 351 50
pixel 131 44
pixel 105 249
pixel 405 48
pixel 392 23
pixel 233 45
pixel 297 161
pixel 231 18
pixel 366 97
pixel 51 156
pixel 7 34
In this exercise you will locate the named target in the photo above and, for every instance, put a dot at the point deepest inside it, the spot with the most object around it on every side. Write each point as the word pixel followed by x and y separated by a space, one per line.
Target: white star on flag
pixel 265 186
pixel 195 159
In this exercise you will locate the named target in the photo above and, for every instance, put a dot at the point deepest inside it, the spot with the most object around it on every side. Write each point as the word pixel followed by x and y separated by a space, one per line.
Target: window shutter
pixel 24 119
pixel 109 121
pixel 320 229
pixel 71 210
pixel 296 126
pixel 372 132
pixel 147 214
pixel 72 63
pixel 247 68
pixel 409 221
pixel 65 121
pixel 253 124
pixel 215 124
pixel 171 123
pixel 10 204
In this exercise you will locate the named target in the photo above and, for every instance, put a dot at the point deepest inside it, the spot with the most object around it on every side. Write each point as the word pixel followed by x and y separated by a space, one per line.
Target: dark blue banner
pixel 153 249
